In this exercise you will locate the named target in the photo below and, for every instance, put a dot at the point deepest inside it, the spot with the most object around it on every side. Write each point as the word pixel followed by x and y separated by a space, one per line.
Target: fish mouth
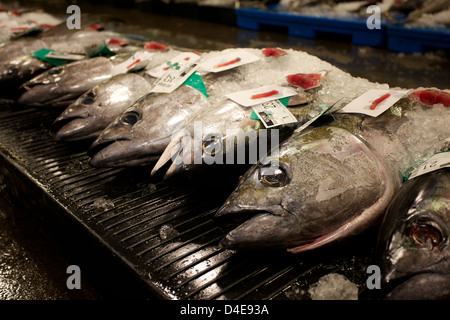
pixel 74 128
pixel 231 216
pixel 99 147
pixel 119 152
pixel 256 229
pixel 37 94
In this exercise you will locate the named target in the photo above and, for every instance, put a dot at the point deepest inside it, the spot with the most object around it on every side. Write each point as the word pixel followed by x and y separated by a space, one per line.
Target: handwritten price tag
pixel 178 62
pixel 436 162
pixel 228 61
pixel 274 113
pixel 374 102
pixel 248 98
pixel 173 78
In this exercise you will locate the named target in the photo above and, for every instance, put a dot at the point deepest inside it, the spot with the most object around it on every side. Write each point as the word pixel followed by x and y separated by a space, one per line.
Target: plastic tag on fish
pixel 325 109
pixel 177 62
pixel 436 162
pixel 374 102
pixel 43 54
pixel 64 56
pixel 99 49
pixel 228 61
pixel 17 28
pixel 284 101
pixel 274 113
pixel 248 98
pixel 137 61
pixel 173 78
pixel 196 82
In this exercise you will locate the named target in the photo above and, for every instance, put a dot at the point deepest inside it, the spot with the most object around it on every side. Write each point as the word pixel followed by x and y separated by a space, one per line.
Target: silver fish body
pixel 330 182
pixel 141 133
pixel 225 134
pixel 16 70
pixel 94 110
pixel 413 243
pixel 60 86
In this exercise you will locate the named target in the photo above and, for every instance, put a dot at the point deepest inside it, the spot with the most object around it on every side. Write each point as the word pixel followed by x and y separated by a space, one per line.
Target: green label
pixel 42 54
pixel 196 82
pixel 99 50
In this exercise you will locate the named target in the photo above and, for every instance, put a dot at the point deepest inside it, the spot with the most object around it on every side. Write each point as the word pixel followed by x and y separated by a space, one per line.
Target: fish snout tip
pixel 227 242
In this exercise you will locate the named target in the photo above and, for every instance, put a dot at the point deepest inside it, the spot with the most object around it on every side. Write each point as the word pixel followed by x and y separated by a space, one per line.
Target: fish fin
pixel 170 152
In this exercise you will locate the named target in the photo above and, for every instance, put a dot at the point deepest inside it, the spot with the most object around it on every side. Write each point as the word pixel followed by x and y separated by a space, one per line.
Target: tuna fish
pixel 220 135
pixel 413 243
pixel 15 70
pixel 93 111
pixel 60 86
pixel 140 134
pixel 332 181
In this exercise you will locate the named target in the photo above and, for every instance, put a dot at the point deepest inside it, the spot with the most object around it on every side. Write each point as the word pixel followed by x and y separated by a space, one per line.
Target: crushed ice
pixel 167 231
pixel 103 204
pixel 333 286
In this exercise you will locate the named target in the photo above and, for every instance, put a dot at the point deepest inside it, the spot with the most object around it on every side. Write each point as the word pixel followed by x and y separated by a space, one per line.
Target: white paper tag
pixel 173 78
pixel 15 27
pixel 374 102
pixel 274 113
pixel 136 61
pixel 179 61
pixel 228 61
pixel 436 162
pixel 64 56
pixel 252 97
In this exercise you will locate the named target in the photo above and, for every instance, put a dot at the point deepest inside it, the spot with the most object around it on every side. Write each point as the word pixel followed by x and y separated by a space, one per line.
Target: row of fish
pixel 332 180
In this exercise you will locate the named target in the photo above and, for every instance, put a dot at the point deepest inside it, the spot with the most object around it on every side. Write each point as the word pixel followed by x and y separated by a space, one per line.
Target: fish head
pixel 141 133
pixel 18 70
pixel 413 244
pixel 61 85
pixel 94 110
pixel 320 186
pixel 218 135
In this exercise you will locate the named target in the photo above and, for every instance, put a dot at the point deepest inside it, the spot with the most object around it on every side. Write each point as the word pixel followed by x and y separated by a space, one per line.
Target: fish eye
pixel 54 71
pixel 424 234
pixel 88 99
pixel 130 118
pixel 272 176
pixel 212 146
pixel 12 71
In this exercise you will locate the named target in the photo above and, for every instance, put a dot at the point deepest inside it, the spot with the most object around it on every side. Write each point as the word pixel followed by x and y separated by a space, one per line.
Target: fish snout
pixel 73 124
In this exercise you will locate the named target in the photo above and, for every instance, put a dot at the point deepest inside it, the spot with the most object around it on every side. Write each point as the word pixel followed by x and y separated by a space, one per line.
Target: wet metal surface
pixel 33 264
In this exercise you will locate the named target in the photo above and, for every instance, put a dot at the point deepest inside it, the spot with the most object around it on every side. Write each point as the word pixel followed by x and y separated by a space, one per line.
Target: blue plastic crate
pixel 417 40
pixel 307 27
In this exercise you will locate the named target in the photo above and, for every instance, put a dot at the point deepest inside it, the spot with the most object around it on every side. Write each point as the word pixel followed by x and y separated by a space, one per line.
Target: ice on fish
pixel 268 70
